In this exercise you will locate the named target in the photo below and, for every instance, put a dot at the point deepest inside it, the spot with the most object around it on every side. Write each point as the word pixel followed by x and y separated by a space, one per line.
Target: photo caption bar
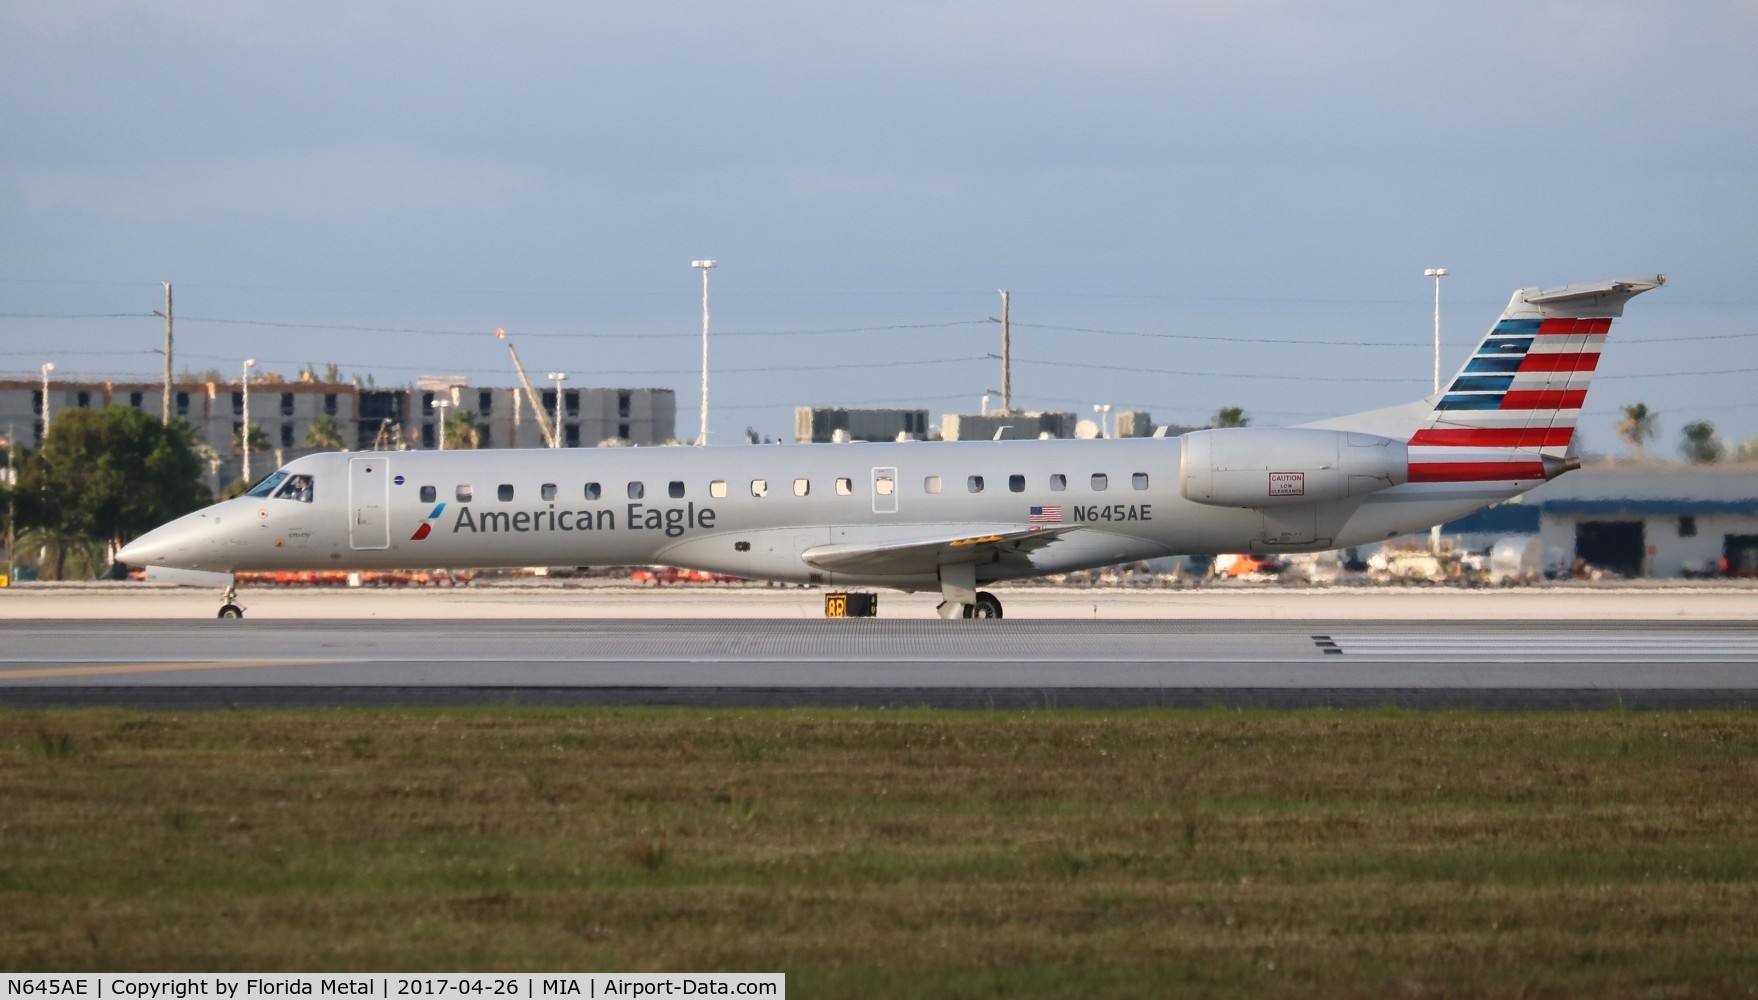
pixel 386 986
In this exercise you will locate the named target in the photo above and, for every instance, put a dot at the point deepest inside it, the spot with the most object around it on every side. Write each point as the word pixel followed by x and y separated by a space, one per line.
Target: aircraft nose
pixel 179 543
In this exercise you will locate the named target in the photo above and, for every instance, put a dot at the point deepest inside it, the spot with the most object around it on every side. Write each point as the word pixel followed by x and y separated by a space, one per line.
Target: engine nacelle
pixel 1271 467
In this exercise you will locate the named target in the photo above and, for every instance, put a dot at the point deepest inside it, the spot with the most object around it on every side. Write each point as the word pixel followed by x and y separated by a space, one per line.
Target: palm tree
pixel 324 433
pixel 259 441
pixel 1701 445
pixel 462 430
pixel 1231 416
pixel 1638 426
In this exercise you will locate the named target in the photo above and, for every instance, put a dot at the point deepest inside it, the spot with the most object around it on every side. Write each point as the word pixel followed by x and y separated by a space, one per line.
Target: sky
pixel 1193 203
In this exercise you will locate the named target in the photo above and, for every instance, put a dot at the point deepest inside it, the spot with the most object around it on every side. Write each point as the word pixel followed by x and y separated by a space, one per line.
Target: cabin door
pixel 369 494
pixel 885 491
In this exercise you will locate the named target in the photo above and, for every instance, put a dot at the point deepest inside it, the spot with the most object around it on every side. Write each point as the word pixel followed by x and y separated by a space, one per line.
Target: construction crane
pixel 549 437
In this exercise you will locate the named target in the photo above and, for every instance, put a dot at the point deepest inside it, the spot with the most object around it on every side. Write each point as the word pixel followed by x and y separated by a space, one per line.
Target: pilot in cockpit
pixel 296 488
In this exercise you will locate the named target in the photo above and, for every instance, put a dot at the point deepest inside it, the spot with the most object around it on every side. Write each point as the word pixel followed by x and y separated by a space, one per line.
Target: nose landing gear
pixel 230 609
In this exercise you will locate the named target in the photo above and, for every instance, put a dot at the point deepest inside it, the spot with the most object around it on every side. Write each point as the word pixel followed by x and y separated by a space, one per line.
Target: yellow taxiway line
pixel 96 670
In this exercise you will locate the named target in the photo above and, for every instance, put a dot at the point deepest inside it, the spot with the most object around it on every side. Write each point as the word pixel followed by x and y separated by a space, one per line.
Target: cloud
pixel 369 180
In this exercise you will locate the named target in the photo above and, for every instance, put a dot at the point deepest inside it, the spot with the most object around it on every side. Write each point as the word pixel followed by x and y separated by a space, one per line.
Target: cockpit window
pixel 268 485
pixel 295 488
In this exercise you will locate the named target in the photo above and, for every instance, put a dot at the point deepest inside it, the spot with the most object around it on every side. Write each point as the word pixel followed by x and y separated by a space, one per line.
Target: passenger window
pixel 505 492
pixel 759 487
pixel 974 484
pixel 845 487
pixel 931 484
pixel 802 487
pixel 593 492
pixel 717 489
pixel 1098 482
pixel 1058 482
pixel 429 494
pixel 1139 480
pixel 465 493
pixel 676 489
pixel 1016 483
pixel 548 491
pixel 884 486
pixel 637 490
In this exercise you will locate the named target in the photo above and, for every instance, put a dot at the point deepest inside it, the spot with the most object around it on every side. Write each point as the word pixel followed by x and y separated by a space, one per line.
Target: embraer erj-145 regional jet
pixel 949 517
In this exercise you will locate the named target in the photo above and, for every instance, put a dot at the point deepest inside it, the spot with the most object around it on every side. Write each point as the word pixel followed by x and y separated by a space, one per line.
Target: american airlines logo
pixel 426 527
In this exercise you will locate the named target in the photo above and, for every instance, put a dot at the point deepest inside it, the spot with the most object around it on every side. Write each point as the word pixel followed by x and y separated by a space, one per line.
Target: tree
pixel 259 442
pixel 1231 416
pixel 107 476
pixel 1638 426
pixel 462 430
pixel 324 433
pixel 1701 445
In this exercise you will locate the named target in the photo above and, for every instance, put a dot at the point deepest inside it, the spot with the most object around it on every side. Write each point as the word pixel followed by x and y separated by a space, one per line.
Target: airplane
pixel 915 516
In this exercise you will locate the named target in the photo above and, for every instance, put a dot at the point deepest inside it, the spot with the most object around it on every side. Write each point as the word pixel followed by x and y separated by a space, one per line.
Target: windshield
pixel 295 488
pixel 267 486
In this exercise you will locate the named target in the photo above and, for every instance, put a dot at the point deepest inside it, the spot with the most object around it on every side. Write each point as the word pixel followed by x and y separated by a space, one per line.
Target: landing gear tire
pixel 986 607
pixel 229 609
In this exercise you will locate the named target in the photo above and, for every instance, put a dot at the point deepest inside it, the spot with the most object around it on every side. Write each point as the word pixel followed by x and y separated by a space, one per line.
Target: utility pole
pixel 1006 357
pixel 165 408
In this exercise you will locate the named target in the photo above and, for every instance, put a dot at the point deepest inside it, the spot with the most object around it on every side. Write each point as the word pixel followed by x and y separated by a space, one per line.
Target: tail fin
pixel 1510 413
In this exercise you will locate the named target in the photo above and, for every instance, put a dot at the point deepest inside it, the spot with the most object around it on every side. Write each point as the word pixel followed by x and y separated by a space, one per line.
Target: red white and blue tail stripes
pixel 1514 403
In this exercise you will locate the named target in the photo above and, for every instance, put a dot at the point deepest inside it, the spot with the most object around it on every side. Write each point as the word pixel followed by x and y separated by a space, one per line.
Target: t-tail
pixel 1509 415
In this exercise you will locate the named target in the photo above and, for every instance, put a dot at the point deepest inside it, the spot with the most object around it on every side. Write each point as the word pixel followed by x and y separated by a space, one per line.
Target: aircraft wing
pixel 925 555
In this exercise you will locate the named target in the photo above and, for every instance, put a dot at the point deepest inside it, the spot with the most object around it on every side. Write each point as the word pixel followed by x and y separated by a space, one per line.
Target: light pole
pixel 1437 273
pixel 704 266
pixel 48 366
pixel 244 433
pixel 440 404
pixel 1104 412
pixel 558 378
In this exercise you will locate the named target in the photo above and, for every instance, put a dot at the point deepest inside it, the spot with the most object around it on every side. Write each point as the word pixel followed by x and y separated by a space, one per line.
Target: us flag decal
pixel 1046 515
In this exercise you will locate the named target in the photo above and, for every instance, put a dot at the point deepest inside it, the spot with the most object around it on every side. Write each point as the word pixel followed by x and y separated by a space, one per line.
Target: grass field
pixel 897 853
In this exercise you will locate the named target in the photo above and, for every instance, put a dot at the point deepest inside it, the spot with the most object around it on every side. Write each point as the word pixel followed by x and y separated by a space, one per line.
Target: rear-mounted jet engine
pixel 1268 467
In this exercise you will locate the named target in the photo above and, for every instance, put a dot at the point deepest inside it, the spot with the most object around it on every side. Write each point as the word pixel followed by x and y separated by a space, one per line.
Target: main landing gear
pixel 960 596
pixel 986 606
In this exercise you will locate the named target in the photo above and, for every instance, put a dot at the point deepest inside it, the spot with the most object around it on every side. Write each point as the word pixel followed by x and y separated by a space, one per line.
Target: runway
pixel 881 663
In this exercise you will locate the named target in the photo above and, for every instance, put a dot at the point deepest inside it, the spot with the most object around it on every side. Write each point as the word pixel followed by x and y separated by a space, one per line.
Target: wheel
pixel 231 611
pixel 986 607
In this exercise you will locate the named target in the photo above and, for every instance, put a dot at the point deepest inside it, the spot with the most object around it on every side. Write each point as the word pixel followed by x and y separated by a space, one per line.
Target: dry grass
pixel 953 854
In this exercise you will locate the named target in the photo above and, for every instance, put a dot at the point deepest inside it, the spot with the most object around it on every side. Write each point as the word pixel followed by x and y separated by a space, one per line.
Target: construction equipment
pixel 543 424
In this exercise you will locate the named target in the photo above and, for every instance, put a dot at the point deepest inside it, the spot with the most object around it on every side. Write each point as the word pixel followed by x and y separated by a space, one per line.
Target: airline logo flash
pixel 426 527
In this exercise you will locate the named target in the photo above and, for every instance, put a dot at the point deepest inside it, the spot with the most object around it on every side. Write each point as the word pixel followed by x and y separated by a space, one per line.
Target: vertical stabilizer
pixel 1510 413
